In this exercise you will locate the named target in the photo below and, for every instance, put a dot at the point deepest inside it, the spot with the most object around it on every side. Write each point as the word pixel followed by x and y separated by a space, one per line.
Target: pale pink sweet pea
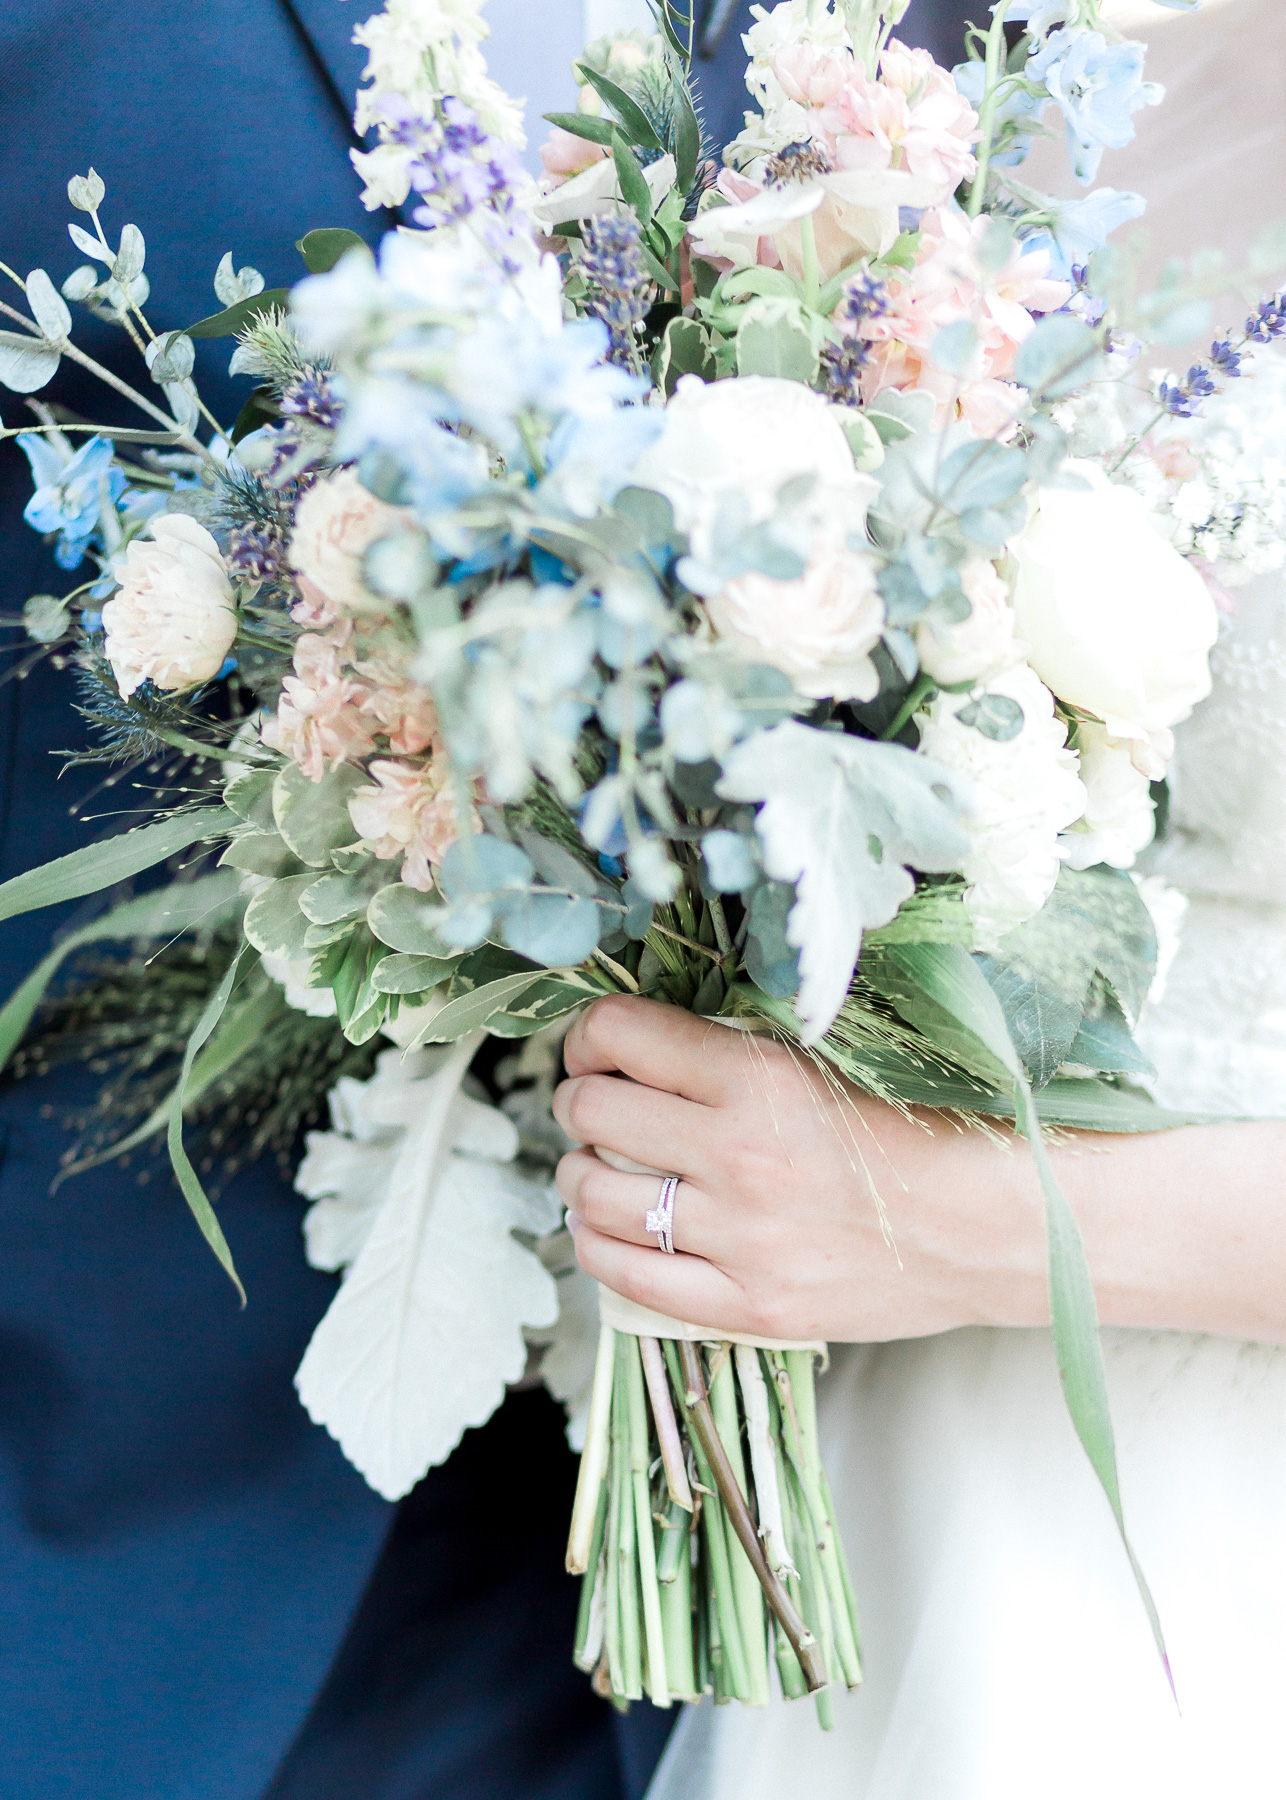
pixel 408 812
pixel 946 285
pixel 811 74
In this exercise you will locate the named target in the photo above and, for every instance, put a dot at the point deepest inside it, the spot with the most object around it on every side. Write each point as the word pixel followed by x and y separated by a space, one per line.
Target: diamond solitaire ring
pixel 660 1220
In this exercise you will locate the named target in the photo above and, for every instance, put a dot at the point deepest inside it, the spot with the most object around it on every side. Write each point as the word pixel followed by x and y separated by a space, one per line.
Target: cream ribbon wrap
pixel 627 1315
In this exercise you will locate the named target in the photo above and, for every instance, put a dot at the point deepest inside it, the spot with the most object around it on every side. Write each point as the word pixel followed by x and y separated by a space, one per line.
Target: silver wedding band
pixel 660 1219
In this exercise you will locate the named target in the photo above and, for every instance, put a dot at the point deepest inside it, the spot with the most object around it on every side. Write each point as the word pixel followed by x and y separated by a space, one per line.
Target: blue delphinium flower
pixel 1098 87
pixel 1081 227
pixel 1015 106
pixel 70 492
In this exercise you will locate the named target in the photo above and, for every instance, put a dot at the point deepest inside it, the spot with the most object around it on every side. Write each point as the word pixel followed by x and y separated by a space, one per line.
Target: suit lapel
pixel 328 27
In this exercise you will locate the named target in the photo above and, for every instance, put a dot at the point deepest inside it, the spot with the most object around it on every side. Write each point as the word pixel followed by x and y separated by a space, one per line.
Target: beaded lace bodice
pixel 1218 1034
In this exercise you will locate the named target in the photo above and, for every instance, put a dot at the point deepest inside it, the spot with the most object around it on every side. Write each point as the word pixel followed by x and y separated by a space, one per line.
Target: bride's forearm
pixel 1185 1230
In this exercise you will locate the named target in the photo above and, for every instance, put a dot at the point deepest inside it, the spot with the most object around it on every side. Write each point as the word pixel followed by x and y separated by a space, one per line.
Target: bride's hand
pixel 806 1209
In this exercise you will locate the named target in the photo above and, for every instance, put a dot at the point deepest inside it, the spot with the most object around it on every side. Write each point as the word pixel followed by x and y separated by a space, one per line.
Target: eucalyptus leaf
pixel 955 346
pixel 1056 357
pixel 551 929
pixel 86 191
pixel 26 363
pixel 994 716
pixel 48 308
pixel 130 258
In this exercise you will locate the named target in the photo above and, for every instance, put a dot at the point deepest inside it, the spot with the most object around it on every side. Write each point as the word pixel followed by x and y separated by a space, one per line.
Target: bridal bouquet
pixel 714 583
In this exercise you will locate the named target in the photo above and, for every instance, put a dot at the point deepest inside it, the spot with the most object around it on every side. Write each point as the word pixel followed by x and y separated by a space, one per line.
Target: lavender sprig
pixel 1183 399
pixel 463 175
pixel 842 363
pixel 620 287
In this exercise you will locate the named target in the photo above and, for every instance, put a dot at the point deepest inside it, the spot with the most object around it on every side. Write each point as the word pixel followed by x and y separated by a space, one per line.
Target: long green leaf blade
pixel 1079 1349
pixel 193 1192
pixel 955 982
pixel 100 866
pixel 171 910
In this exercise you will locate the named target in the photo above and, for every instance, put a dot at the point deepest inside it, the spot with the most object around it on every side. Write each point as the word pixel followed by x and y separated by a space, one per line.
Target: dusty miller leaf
pixel 844 819
pixel 426 1331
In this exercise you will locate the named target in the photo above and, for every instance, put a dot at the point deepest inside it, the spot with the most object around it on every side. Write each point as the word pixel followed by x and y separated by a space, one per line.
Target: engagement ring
pixel 660 1220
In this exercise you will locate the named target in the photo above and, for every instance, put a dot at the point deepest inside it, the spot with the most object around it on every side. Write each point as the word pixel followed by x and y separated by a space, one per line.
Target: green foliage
pixel 322 248
pixel 1094 923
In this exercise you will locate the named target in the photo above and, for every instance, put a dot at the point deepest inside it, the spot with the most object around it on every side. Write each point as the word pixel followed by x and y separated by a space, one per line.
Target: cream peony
pixel 980 646
pixel 336 522
pixel 173 621
pixel 1120 814
pixel 1023 794
pixel 819 630
pixel 748 436
pixel 1118 623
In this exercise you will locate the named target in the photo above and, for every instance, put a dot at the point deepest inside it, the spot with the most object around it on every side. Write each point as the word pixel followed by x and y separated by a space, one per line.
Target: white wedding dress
pixel 1006 1652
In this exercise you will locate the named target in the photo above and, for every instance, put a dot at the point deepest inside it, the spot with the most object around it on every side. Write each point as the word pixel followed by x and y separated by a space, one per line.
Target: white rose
pixel 979 646
pixel 747 436
pixel 1119 811
pixel 819 629
pixel 1024 793
pixel 173 622
pixel 1116 621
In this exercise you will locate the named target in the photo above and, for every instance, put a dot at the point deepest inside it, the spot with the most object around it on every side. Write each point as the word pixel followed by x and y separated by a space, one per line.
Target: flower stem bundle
pixel 703 1528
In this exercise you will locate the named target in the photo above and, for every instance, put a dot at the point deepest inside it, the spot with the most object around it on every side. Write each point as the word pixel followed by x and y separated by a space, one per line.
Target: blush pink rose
pixel 564 154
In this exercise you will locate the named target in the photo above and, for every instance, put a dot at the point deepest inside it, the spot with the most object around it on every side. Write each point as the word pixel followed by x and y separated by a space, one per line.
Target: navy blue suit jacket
pixel 199 1599
pixel 181 1551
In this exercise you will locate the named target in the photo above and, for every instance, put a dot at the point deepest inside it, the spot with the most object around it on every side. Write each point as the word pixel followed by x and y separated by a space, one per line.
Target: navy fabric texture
pixel 181 1551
